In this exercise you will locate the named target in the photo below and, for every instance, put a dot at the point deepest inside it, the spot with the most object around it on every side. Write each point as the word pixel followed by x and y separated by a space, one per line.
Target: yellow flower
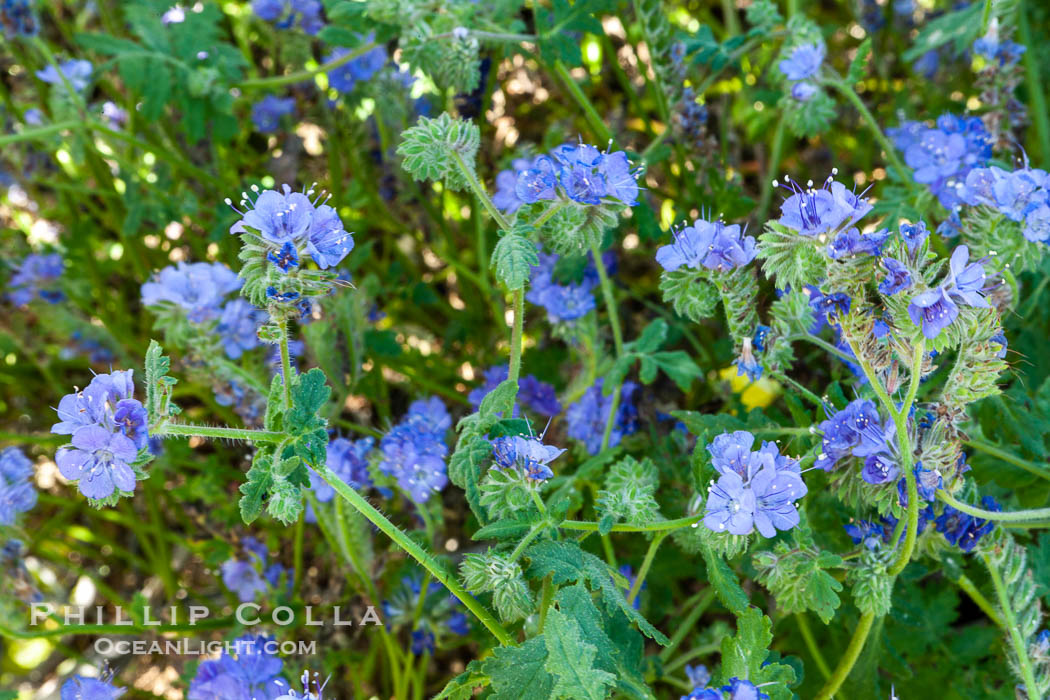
pixel 757 394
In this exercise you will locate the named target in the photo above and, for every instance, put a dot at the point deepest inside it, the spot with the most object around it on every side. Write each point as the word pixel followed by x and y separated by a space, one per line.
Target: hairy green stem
pixel 410 546
pixel 682 630
pixel 208 431
pixel 514 370
pixel 773 165
pixel 650 554
pixel 1013 629
pixel 297 77
pixel 479 192
pixel 533 533
pixel 1008 516
pixel 900 420
pixel 849 659
pixel 286 362
pixel 970 588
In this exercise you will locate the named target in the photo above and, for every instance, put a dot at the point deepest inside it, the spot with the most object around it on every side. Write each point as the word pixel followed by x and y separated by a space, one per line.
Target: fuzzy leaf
pixel 513 259
pixel 570 659
pixel 520 672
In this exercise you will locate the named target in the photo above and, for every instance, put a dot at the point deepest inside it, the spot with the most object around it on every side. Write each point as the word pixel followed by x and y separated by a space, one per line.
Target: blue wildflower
pixel 359 70
pixel 251 673
pixel 1022 196
pixel 747 363
pixel 17 494
pixel 537 182
pixel 698 676
pixel 306 12
pixel 743 690
pixel 349 460
pixel 239 327
pixel 709 244
pixel 422 641
pixel 114 115
pixel 108 428
pixel 965 282
pixel 583 173
pixel 36 276
pixel 758 340
pixel 281 297
pixel 897 277
pixel 588 416
pixel 851 242
pixel 963 529
pixel 242 577
pixel 77 72
pixel 866 532
pixel 843 431
pixel 943 155
pixel 803 91
pixel 506 196
pixel 525 454
pixel 536 395
pixel 756 490
pixel 1001 52
pixel 267 112
pixel 83 688
pixel 197 288
pixel 913 234
pixel 285 259
pixel 814 211
pixel 17 18
pixel 933 310
pixel 804 61
pixel 826 307
pixel 414 451
pixel 563 302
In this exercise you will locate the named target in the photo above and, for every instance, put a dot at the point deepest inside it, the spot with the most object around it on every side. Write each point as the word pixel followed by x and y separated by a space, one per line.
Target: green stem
pixel 652 527
pixel 480 192
pixel 811 644
pixel 1039 470
pixel 900 419
pixel 286 362
pixel 1013 629
pixel 415 551
pixel 891 154
pixel 856 645
pixel 208 431
pixel 40 132
pixel 549 212
pixel 1008 516
pixel 514 368
pixel 821 343
pixel 650 554
pixel 977 597
pixel 773 165
pixel 298 77
pixel 601 131
pixel 527 540
pixel 614 323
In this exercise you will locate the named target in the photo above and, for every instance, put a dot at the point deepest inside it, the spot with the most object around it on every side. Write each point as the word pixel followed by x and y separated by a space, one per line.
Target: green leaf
pixel 744 654
pixel 159 385
pixel 567 563
pixel 790 258
pixel 652 338
pixel 513 259
pixel 725 583
pixel 309 395
pixel 859 63
pixel 797 579
pixel 462 686
pixel 571 660
pixel 691 295
pixel 520 672
pixel 960 28
pixel 255 490
pixel 432 148
pixel 811 117
pixel 678 365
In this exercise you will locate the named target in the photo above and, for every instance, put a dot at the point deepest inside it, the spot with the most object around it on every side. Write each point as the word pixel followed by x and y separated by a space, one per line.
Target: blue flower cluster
pixel 821 211
pixel 83 688
pixel 506 196
pixel 936 309
pixel 803 63
pixel 534 394
pixel 108 428
pixel 349 460
pixel 943 155
pixel 251 673
pixel 1022 196
pixel 17 494
pixel 709 244
pixel 36 276
pixel 963 529
pixel 570 301
pixel 292 223
pixel 858 430
pixel 1000 52
pixel 528 455
pixel 306 12
pixel 755 489
pixel 77 72
pixel 247 578
pixel 267 112
pixel 581 173
pixel 357 70
pixel 17 18
pixel 414 450
pixel 588 416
